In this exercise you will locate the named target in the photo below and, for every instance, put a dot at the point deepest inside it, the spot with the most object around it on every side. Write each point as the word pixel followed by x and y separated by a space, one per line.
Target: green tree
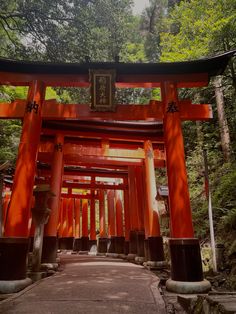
pixel 67 30
pixel 151 25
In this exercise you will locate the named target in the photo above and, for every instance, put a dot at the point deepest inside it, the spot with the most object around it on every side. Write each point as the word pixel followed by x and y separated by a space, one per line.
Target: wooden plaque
pixel 102 90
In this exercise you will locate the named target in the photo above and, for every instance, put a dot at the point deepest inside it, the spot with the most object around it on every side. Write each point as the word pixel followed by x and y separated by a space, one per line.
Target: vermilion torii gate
pixel 132 157
pixel 41 117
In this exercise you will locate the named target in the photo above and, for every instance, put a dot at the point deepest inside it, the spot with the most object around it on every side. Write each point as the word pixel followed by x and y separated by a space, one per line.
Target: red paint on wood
pixel 19 210
pixel 77 218
pixel 126 214
pixel 84 218
pixel 119 214
pixel 180 210
pixel 70 215
pixel 111 212
pixel 92 217
pixel 55 186
pixel 102 217
pixel 133 203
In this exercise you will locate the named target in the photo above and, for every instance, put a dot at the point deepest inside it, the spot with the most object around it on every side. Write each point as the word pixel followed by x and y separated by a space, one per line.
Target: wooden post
pixel 60 223
pixel 84 218
pixel 111 213
pixel 126 214
pixel 151 190
pixel 102 218
pixel 133 204
pixel 140 198
pixel 64 217
pixel 19 211
pixel 184 248
pixel 119 214
pixel 70 217
pixel 77 218
pixel 92 217
pixel 180 210
pixel 55 186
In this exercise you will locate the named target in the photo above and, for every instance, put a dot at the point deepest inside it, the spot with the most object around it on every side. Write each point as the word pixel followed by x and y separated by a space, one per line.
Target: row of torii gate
pixel 86 153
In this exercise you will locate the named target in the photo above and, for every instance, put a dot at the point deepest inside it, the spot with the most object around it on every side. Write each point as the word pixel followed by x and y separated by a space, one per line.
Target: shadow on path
pixel 88 284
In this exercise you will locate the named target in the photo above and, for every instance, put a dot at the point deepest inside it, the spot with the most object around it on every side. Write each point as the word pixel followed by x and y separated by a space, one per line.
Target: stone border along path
pixel 88 284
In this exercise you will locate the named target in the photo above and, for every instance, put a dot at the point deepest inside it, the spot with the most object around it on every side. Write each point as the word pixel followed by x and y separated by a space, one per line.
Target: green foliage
pixel 152 25
pixel 51 94
pixel 9 139
pixel 10 93
pixel 198 28
pixel 66 30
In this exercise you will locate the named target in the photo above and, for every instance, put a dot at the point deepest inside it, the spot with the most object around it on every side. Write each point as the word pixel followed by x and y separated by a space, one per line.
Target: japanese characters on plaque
pixel 102 90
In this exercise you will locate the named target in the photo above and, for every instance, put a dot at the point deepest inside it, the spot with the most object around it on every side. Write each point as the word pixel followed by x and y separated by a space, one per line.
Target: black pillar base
pixel 133 248
pixel 77 245
pixel 49 251
pixel 154 249
pixel 13 258
pixel 84 243
pixel 119 245
pixel 126 247
pixel 102 245
pixel 140 243
pixel 111 245
pixel 66 243
pixel 93 245
pixel 186 264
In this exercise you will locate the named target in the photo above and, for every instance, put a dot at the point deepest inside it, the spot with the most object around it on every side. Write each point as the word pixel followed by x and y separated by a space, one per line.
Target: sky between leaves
pixel 139 5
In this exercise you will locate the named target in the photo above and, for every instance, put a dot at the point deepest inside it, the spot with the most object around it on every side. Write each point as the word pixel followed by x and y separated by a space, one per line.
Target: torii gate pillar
pixel 50 243
pixel 186 266
pixel 102 240
pixel 92 239
pixel 120 239
pixel 111 221
pixel 133 213
pixel 85 237
pixel 154 243
pixel 14 246
pixel 77 240
pixel 127 220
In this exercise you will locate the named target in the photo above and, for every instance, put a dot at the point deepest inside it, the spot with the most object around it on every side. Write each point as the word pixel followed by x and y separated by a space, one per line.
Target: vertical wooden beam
pixel 77 218
pixel 126 213
pixel 133 204
pixel 119 214
pixel 111 213
pixel 18 214
pixel 55 185
pixel 70 215
pixel 151 190
pixel 60 222
pixel 92 213
pixel 180 210
pixel 84 218
pixel 102 218
pixel 64 217
pixel 140 196
pixel 6 204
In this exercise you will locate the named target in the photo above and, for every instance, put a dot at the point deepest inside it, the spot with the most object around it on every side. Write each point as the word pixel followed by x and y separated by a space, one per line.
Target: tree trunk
pixel 200 134
pixel 224 128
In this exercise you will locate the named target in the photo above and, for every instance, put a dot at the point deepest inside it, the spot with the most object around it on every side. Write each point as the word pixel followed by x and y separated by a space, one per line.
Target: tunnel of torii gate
pixel 94 166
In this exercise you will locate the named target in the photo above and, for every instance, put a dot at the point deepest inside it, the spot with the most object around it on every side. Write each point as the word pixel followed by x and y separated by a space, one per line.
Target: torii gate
pixel 169 77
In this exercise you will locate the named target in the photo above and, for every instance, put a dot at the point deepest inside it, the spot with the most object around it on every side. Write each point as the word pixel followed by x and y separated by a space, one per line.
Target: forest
pixel 166 31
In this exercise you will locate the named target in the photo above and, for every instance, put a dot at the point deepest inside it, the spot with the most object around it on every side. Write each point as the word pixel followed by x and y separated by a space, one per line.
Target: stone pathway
pixel 88 284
